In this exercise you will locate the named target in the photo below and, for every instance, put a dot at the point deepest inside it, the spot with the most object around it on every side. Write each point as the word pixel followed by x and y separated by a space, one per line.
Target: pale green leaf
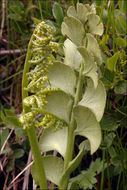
pixel 94 99
pixel 59 104
pixel 81 12
pixel 94 25
pixel 72 12
pixel 93 47
pixel 88 126
pixel 72 56
pixel 63 77
pixel 53 167
pixel 88 59
pixel 90 67
pixel 73 29
pixel 54 140
pixel 111 62
pixel 93 75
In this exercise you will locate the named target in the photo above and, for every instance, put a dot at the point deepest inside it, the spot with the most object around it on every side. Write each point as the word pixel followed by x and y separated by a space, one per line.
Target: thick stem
pixel 31 131
pixel 37 157
pixel 71 128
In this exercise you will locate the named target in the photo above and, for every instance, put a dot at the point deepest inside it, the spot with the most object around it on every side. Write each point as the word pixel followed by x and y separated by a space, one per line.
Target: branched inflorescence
pixel 43 50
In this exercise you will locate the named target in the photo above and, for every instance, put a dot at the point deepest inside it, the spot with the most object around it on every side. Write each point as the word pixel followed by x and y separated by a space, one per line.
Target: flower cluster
pixel 42 57
pixel 43 46
pixel 50 121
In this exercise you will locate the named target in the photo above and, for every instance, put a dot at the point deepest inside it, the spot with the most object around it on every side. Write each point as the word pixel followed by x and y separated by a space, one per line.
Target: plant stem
pixel 71 128
pixel 31 131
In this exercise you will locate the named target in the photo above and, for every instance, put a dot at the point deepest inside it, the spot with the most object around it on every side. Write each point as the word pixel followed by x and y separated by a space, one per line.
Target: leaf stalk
pixel 31 131
pixel 71 128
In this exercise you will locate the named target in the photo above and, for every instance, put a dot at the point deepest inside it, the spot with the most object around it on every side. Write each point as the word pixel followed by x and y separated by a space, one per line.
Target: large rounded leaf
pixel 59 104
pixel 54 140
pixel 81 12
pixel 72 56
pixel 95 27
pixel 53 167
pixel 94 99
pixel 93 47
pixel 88 126
pixel 73 29
pixel 63 77
pixel 90 67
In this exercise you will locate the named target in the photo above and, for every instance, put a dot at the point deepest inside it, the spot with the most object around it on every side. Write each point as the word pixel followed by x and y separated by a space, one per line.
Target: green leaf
pixel 88 126
pixel 18 153
pixel 10 165
pixel 80 14
pixel 104 41
pixel 14 121
pixel 73 29
pixel 59 104
pixel 108 140
pixel 86 179
pixel 93 47
pixel 72 56
pixel 121 87
pixel 111 62
pixel 20 133
pixel 5 151
pixel 9 117
pixel 90 68
pixel 53 167
pixel 57 12
pixel 53 140
pixel 109 124
pixel 94 99
pixel 3 136
pixel 94 25
pixel 112 152
pixel 97 166
pixel 14 17
pixel 121 42
pixel 63 77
